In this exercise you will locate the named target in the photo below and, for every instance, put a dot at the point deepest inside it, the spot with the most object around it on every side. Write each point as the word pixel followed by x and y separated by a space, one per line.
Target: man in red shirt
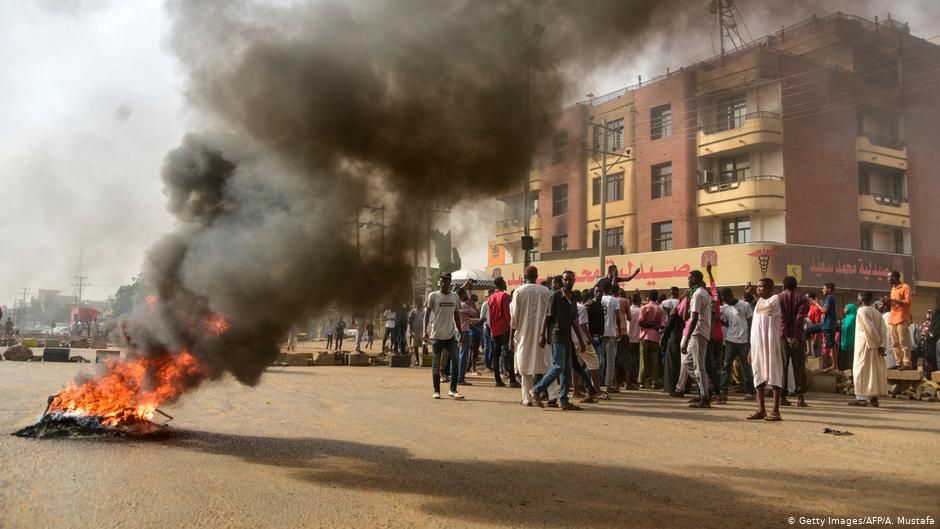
pixel 498 307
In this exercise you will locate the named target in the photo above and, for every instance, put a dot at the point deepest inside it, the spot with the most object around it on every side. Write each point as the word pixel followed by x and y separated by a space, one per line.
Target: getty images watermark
pixel 852 521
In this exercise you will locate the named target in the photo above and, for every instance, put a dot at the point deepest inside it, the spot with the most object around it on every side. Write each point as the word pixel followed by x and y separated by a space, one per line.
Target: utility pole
pixel 527 243
pixel 80 280
pixel 16 313
pixel 602 237
pixel 602 150
pixel 727 25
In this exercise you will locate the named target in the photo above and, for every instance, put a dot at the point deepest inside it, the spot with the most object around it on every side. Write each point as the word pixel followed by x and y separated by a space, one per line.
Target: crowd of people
pixel 554 342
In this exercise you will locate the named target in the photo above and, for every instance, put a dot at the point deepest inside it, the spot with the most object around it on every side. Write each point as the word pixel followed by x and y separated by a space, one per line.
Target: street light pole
pixel 527 242
pixel 602 236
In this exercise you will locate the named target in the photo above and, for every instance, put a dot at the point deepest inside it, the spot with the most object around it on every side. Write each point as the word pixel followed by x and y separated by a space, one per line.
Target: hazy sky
pixel 93 99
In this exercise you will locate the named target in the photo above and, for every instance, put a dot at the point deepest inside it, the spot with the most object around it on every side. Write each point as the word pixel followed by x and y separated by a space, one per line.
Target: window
pixel 662 236
pixel 736 231
pixel 732 112
pixel 560 147
pixel 614 188
pixel 614 135
pixel 560 200
pixel 661 122
pixel 866 238
pixel 662 180
pixel 614 238
pixel 735 169
pixel 560 243
pixel 864 183
pixel 898 241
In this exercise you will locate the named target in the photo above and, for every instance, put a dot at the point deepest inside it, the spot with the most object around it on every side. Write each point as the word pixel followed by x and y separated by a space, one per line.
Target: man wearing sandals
pixel 560 321
pixel 869 372
pixel 766 356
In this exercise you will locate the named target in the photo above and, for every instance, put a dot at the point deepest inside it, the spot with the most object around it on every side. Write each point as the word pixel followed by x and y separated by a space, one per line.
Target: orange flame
pixel 217 324
pixel 130 391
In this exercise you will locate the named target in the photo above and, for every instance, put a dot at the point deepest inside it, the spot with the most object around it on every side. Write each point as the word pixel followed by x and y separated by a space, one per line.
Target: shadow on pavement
pixel 566 494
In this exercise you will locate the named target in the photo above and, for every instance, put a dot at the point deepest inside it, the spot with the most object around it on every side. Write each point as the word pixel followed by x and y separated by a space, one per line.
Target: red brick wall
pixel 922 135
pixel 678 148
pixel 572 172
pixel 819 158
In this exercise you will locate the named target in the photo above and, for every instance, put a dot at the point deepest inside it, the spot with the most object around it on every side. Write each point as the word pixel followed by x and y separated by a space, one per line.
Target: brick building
pixel 811 152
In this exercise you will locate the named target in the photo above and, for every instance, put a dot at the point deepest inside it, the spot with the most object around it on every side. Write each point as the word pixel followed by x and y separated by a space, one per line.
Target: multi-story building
pixel 812 152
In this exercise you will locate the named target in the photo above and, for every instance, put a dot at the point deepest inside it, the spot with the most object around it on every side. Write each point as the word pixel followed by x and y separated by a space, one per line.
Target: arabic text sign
pixel 848 269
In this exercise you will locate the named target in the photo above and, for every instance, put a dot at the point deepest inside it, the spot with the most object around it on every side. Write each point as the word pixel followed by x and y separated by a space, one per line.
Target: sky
pixel 93 98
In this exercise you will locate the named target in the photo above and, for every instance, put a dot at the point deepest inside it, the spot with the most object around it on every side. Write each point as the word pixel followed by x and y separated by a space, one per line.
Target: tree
pixel 125 297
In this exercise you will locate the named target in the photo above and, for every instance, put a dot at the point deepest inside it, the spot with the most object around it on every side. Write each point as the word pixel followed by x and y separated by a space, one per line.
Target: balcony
pixel 752 194
pixel 756 128
pixel 885 210
pixel 509 229
pixel 879 150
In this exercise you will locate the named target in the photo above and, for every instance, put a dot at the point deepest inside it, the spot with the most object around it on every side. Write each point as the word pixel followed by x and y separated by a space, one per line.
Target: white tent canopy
pixel 476 275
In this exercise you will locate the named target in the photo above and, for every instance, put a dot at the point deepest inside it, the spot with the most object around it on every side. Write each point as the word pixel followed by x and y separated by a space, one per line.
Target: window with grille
pixel 732 112
pixel 495 251
pixel 731 170
pixel 615 237
pixel 560 200
pixel 614 135
pixel 661 180
pixel 736 231
pixel 560 243
pixel 661 122
pixel 662 236
pixel 898 241
pixel 614 188
pixel 560 147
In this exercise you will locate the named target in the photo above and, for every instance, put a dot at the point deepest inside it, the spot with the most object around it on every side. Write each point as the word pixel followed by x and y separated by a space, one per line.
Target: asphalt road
pixel 367 447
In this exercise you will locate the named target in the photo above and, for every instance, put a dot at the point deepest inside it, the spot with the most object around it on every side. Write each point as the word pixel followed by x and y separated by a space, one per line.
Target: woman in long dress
pixel 868 371
pixel 766 356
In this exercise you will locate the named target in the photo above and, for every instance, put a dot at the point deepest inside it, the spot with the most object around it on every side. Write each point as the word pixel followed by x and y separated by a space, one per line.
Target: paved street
pixel 367 447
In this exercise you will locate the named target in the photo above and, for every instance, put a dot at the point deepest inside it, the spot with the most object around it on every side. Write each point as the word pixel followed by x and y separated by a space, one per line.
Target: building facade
pixel 811 152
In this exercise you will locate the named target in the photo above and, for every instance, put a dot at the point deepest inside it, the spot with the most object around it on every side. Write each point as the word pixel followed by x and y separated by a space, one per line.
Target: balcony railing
pixel 886 200
pixel 883 140
pixel 737 121
pixel 717 187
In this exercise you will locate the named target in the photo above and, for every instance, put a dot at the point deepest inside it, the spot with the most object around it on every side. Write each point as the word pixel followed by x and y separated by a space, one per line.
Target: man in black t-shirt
pixel 561 320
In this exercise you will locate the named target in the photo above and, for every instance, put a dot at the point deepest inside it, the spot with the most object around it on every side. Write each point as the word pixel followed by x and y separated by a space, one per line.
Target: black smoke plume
pixel 317 108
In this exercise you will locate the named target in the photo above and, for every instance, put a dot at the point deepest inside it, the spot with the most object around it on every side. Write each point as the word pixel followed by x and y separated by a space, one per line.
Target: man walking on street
pixel 441 327
pixel 900 321
pixel 527 310
pixel 416 326
pixel 559 322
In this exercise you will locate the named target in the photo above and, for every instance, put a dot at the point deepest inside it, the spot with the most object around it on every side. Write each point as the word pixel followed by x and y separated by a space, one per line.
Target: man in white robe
pixel 527 311
pixel 868 371
pixel 766 354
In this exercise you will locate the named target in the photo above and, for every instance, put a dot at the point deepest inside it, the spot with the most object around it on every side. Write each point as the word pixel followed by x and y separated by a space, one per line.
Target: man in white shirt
pixel 389 317
pixel 736 316
pixel 441 324
pixel 695 344
pixel 611 337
